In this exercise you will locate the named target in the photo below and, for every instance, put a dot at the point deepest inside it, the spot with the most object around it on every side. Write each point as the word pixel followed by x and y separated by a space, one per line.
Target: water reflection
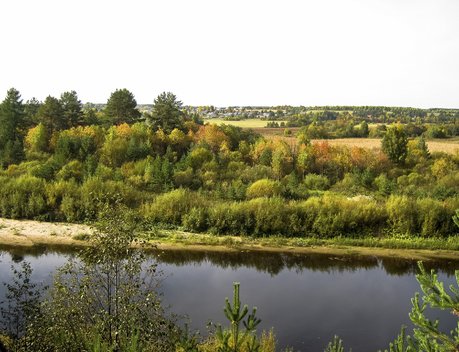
pixel 274 263
pixel 307 298
pixel 267 262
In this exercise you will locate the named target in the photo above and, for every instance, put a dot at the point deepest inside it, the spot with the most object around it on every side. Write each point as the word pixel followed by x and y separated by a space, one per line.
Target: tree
pixel 122 107
pixel 72 109
pixel 21 305
pixel 106 300
pixel 31 109
pixel 51 114
pixel 167 113
pixel 364 130
pixel 233 339
pixel 427 335
pixel 37 139
pixel 394 144
pixel 11 128
pixel 423 148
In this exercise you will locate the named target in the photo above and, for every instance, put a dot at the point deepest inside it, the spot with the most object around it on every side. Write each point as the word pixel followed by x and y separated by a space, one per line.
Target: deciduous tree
pixel 394 144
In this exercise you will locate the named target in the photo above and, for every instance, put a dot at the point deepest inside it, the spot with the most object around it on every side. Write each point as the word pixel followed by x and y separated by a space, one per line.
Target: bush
pixel 403 214
pixel 263 188
pixel 336 216
pixel 23 197
pixel 316 182
pixel 169 208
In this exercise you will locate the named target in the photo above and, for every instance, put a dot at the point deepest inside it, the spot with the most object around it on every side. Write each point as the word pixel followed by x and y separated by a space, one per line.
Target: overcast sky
pixel 321 52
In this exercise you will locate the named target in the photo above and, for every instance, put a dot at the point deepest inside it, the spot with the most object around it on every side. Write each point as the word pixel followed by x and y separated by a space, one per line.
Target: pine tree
pixel 167 113
pixel 427 334
pixel 11 128
pixel 51 114
pixel 72 109
pixel 122 107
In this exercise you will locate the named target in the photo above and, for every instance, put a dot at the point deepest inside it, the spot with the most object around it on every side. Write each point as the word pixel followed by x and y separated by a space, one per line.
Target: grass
pixel 81 237
pixel 401 246
pixel 449 146
pixel 446 146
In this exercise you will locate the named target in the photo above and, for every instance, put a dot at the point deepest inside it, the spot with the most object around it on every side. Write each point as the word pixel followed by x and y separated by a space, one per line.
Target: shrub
pixel 169 208
pixel 263 188
pixel 403 214
pixel 23 197
pixel 316 182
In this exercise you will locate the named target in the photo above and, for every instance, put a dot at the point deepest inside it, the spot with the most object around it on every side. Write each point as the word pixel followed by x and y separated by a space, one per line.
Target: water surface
pixel 306 298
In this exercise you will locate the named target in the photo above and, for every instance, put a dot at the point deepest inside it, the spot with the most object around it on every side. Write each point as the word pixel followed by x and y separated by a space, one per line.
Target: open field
pixel 447 146
pixel 450 146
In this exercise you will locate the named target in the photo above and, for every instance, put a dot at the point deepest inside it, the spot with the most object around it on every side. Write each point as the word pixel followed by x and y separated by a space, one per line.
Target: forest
pixel 65 161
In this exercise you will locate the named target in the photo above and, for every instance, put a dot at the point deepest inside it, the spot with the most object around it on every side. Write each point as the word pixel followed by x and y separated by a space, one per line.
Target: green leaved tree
pixel 395 144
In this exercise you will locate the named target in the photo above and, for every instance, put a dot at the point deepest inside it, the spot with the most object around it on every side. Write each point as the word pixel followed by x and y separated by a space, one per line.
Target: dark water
pixel 306 298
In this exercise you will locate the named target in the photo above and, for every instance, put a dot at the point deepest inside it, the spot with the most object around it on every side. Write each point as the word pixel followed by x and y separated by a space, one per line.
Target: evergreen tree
pixel 11 128
pixel 167 113
pixel 51 115
pixel 422 146
pixel 72 109
pixel 122 107
pixel 31 109
pixel 394 144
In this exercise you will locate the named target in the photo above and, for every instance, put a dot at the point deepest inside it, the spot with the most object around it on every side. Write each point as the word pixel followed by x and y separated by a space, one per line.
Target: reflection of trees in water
pixel 18 253
pixel 269 262
pixel 274 263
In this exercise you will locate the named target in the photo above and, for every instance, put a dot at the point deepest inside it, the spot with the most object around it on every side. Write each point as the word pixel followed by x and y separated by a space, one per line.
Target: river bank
pixel 27 233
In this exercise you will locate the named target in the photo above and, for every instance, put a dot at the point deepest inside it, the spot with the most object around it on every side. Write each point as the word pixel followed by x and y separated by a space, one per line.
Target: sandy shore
pixel 27 233
pixel 30 233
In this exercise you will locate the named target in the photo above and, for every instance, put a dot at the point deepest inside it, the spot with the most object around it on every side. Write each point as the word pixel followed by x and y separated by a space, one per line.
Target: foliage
pixel 167 113
pixel 108 299
pixel 51 115
pixel 121 107
pixel 394 144
pixel 72 109
pixel 11 128
pixel 233 339
pixel 427 335
pixel 263 188
pixel 335 346
pixel 21 306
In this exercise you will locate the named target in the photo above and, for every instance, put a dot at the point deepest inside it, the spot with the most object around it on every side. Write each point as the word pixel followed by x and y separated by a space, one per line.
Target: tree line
pixel 61 164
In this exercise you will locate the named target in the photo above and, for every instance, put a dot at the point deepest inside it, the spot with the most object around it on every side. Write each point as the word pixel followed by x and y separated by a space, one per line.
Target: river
pixel 306 298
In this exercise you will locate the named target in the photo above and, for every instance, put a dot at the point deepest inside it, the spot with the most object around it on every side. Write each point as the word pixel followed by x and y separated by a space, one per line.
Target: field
pixel 450 146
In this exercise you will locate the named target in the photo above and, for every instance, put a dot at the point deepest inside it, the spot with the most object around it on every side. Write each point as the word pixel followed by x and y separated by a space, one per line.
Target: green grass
pixel 276 242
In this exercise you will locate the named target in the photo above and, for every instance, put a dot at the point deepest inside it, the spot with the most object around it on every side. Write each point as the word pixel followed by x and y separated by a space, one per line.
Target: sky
pixel 238 52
